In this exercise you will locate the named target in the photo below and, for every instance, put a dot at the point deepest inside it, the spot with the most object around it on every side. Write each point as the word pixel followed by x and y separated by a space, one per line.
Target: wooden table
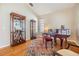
pixel 61 37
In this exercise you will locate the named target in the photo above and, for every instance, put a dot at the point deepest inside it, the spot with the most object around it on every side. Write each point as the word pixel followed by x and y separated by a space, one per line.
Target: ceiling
pixel 45 8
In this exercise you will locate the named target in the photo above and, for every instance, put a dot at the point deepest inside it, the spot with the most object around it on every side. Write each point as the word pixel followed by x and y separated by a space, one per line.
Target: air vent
pixel 31 4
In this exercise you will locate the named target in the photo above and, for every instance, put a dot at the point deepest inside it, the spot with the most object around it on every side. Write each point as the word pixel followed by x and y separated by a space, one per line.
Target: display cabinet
pixel 17 29
pixel 32 29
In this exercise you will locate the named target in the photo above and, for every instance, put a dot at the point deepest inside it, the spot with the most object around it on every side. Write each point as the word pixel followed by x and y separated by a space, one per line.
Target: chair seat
pixel 65 52
pixel 48 39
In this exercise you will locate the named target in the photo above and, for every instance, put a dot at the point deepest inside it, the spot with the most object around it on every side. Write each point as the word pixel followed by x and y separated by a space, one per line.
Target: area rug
pixel 37 48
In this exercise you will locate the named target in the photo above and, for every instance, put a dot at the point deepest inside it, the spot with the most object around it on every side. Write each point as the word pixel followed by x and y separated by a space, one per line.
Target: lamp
pixel 46 29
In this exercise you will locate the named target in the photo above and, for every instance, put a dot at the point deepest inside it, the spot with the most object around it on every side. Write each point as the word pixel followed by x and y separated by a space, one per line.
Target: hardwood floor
pixel 20 50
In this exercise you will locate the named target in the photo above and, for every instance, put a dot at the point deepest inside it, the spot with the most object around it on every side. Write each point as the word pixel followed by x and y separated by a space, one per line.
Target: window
pixel 41 25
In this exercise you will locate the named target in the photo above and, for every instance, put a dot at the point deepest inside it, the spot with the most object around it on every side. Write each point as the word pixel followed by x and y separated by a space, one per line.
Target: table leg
pixel 46 44
pixel 66 42
pixel 55 42
pixel 51 43
pixel 61 45
pixel 43 40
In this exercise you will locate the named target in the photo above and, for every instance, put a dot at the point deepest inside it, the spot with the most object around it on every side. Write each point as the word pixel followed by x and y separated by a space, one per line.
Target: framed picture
pixel 64 32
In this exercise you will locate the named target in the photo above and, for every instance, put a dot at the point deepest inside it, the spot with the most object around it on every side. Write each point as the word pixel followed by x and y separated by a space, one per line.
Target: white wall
pixel 62 17
pixel 77 20
pixel 5 10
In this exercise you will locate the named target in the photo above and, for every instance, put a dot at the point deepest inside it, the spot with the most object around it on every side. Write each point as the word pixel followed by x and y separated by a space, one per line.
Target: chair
pixel 46 39
pixel 74 43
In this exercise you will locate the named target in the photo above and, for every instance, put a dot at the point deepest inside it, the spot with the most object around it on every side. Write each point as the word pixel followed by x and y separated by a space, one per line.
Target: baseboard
pixel 4 46
pixel 9 44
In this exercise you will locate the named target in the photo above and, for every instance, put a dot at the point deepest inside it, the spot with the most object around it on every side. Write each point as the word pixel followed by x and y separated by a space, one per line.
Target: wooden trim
pixel 21 17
